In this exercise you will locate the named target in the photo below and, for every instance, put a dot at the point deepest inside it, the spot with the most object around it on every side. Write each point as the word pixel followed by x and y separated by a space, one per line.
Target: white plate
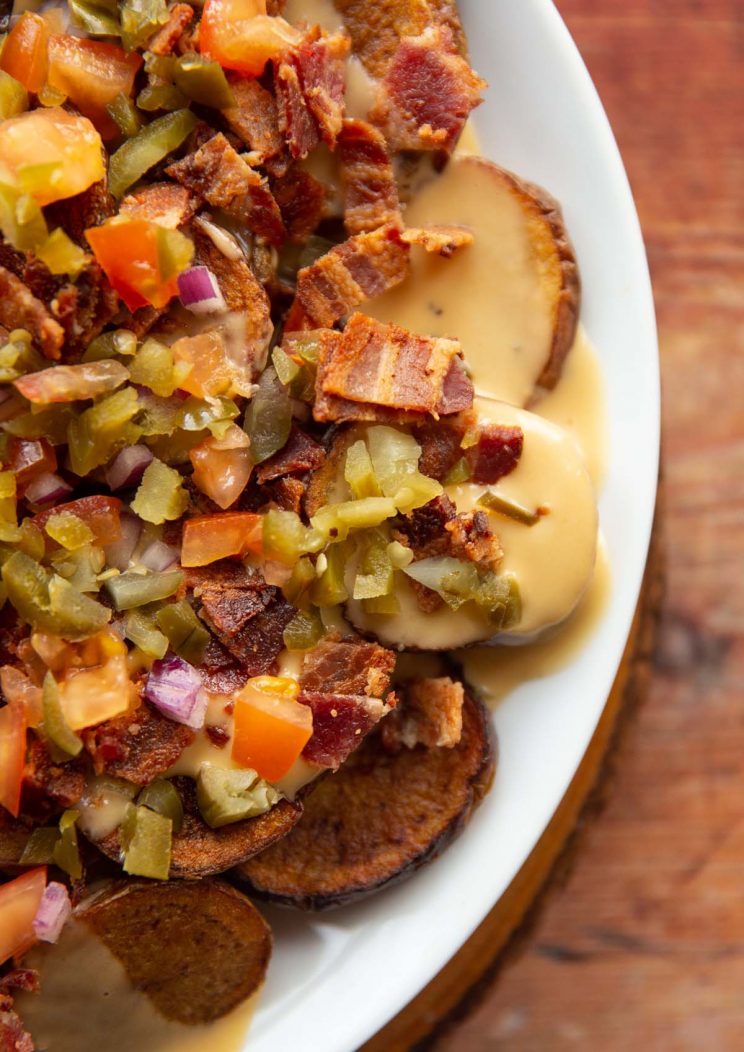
pixel 336 979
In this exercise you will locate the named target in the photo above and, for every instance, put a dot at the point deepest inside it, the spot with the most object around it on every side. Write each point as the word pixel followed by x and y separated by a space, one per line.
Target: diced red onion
pixel 120 552
pixel 128 467
pixel 199 292
pixel 175 688
pixel 47 488
pixel 53 912
pixel 159 556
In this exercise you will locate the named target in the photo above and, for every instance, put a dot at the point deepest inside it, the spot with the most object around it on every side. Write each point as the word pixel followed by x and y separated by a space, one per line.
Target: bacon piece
pixel 300 453
pixel 77 214
pixel 301 199
pixel 471 538
pixel 254 117
pixel 496 453
pixel 286 493
pixel 138 746
pixel 13 1038
pixel 166 204
pixel 429 714
pixel 257 646
pixel 424 531
pixel 362 267
pixel 321 65
pixel 26 979
pixel 296 122
pixel 220 672
pixel 180 17
pixel 340 723
pixel 347 666
pixel 228 610
pixel 370 189
pixel 440 239
pixel 218 173
pixel 427 93
pixel 382 365
pixel 19 309
pixel 440 446
pixel 50 787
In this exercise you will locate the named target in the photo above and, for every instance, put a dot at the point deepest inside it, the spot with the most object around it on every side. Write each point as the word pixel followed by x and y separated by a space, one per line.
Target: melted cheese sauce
pixel 89 1004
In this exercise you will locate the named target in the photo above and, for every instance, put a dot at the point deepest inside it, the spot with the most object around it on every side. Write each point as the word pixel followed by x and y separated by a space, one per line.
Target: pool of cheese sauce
pixel 88 1003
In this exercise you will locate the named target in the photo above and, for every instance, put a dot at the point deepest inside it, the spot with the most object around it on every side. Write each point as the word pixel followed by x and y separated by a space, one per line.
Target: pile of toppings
pixel 205 448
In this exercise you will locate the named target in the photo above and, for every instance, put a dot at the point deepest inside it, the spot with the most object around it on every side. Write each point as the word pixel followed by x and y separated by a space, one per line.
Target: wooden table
pixel 638 941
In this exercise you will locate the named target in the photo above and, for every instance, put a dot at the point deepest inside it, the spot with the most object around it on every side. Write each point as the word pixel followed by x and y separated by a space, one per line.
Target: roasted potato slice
pixel 512 298
pixel 199 851
pixel 378 819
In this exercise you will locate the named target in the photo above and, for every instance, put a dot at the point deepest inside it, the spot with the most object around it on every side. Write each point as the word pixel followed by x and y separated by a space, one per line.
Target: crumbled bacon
pixel 254 117
pixel 180 17
pixel 50 787
pixel 19 309
pixel 300 453
pixel 13 1038
pixel 285 493
pixel 296 122
pixel 217 172
pixel 362 267
pixel 381 365
pixel 77 214
pixel 166 204
pixel 496 453
pixel 347 666
pixel 26 979
pixel 430 714
pixel 301 199
pixel 138 746
pixel 471 538
pixel 424 531
pixel 340 722
pixel 84 308
pixel 228 610
pixel 321 64
pixel 370 189
pixel 438 239
pixel 220 672
pixel 427 93
pixel 218 734
pixel 440 447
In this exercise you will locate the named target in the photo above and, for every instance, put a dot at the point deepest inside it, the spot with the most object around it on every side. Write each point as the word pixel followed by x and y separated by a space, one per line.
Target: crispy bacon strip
pixel 364 266
pixel 430 715
pixel 301 199
pixel 427 93
pixel 222 177
pixel 254 117
pixel 439 238
pixel 370 190
pixel 379 365
pixel 296 122
pixel 180 17
pixel 166 204
pixel 340 722
pixel 321 65
pixel 300 454
pixel 348 666
pixel 19 309
pixel 496 453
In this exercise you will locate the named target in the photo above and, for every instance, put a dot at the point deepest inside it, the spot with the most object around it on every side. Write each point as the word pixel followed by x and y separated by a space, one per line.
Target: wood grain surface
pixel 642 945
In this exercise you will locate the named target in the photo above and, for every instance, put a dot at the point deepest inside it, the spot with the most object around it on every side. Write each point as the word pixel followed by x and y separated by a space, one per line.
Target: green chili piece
pixel 187 635
pixel 510 509
pixel 21 220
pixel 39 849
pixel 140 19
pixel 61 254
pixel 48 602
pixel 110 345
pixel 13 96
pixel 330 588
pixel 138 154
pixel 459 472
pixel 31 541
pixel 125 115
pixel 56 727
pixel 226 796
pixel 95 20
pixel 161 796
pixel 297 588
pixel 68 530
pixel 66 854
pixel 161 97
pixel 81 568
pixel 203 80
pixel 153 367
pixel 52 423
pixel 160 497
pixel 129 590
pixel 286 538
pixel 140 630
pixel 304 630
pixel 148 844
pixel 359 473
pixel 94 435
pixel 335 520
pixel 197 414
pixel 268 418
pixel 375 577
pixel 286 369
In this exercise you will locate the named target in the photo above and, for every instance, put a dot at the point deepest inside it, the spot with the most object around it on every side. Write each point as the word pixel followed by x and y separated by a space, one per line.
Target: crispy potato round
pixel 378 819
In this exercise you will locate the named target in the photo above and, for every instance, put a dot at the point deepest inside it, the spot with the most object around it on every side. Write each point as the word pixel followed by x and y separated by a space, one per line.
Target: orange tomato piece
pixel 127 250
pixel 19 904
pixel 207 538
pixel 92 695
pixel 13 723
pixel 92 74
pixel 65 141
pixel 29 458
pixel 271 727
pixel 241 36
pixel 210 370
pixel 24 54
pixel 102 515
pixel 222 474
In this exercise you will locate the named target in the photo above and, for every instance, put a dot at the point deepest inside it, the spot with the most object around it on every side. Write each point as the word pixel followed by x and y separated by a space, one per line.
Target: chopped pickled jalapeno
pixel 129 590
pixel 125 115
pixel 140 19
pixel 141 631
pixel 286 368
pixel 68 530
pixel 153 367
pixel 111 344
pixel 56 728
pixel 359 472
pixel 61 254
pixel 330 588
pixel 39 848
pixel 375 577
pixel 226 796
pixel 304 630
pixel 162 797
pixel 510 509
pixel 96 434
pixel 13 96
pixel 66 853
pixel 497 595
pixel 268 418
pixel 160 497
pixel 459 472
pixel 203 81
pixel 334 521
pixel 48 602
pixel 286 538
pixel 145 149
pixel 21 220
pixel 147 841
pixel 297 588
pixel 186 634
pixel 197 414
pixel 80 568
pixel 95 19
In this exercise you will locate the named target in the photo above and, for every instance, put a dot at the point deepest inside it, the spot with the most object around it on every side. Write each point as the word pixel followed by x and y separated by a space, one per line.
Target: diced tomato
pixel 13 725
pixel 28 458
pixel 208 538
pixel 271 726
pixel 19 690
pixel 221 473
pixel 102 515
pixel 241 36
pixel 24 54
pixel 92 74
pixel 92 695
pixel 19 904
pixel 210 370
pixel 50 154
pixel 127 249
